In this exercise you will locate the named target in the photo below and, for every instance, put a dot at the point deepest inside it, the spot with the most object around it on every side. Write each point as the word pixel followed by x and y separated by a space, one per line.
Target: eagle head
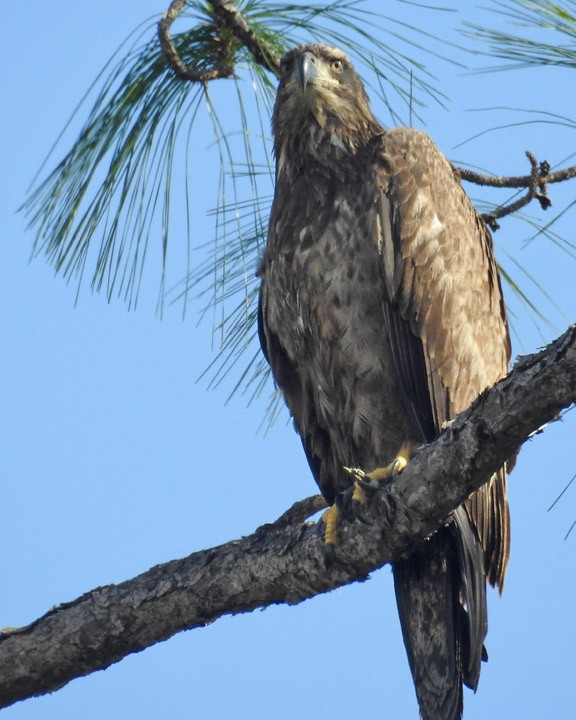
pixel 321 102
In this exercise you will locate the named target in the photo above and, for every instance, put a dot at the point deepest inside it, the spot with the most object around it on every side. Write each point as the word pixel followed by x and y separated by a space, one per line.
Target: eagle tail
pixel 441 596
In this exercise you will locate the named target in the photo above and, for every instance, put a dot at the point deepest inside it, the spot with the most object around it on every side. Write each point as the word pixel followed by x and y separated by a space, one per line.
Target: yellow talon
pixel 359 494
pixel 403 456
pixel 331 519
pixel 396 466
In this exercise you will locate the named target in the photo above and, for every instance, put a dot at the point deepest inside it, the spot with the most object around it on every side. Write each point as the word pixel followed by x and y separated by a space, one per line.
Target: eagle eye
pixel 337 66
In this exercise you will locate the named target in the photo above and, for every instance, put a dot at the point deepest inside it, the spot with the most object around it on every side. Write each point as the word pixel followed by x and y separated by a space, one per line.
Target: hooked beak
pixel 306 70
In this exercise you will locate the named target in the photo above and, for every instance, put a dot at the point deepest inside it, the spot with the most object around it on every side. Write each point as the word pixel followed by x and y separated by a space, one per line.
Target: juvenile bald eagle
pixel 381 315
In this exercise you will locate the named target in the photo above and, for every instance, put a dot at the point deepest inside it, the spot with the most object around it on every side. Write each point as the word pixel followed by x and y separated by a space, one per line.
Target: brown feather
pixel 455 305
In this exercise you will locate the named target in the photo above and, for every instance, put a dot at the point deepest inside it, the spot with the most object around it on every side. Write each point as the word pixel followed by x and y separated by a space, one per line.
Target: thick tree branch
pixel 536 183
pixel 284 562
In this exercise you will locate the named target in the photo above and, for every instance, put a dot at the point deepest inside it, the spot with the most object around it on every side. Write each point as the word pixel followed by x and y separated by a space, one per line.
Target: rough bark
pixel 284 562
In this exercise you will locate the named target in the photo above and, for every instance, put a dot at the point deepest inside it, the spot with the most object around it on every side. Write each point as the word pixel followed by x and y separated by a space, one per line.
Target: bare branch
pixel 225 14
pixel 536 183
pixel 301 511
pixel 284 562
pixel 520 181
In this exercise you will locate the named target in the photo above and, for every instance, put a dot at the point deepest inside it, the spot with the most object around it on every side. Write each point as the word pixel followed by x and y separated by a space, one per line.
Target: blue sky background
pixel 115 458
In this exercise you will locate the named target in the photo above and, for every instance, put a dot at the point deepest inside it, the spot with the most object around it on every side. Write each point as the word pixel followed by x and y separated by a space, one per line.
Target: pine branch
pixel 284 562
pixel 229 16
pixel 225 15
pixel 536 183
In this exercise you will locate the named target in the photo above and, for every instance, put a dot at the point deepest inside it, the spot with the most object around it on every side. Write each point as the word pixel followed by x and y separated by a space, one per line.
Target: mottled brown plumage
pixel 382 317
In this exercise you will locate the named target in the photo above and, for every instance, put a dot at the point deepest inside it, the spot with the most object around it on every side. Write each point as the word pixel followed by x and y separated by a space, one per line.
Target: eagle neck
pixel 320 152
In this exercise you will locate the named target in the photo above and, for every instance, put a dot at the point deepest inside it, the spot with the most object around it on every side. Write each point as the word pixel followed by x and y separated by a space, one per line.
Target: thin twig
pixel 514 181
pixel 536 184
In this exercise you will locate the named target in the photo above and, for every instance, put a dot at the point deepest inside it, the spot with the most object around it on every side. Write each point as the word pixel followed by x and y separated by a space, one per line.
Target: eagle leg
pixel 330 520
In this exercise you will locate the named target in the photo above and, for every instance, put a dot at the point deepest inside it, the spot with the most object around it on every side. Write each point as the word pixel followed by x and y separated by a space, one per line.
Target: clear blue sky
pixel 114 458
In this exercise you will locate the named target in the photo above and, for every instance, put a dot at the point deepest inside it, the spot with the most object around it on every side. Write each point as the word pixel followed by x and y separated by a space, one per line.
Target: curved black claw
pixel 344 503
pixel 329 554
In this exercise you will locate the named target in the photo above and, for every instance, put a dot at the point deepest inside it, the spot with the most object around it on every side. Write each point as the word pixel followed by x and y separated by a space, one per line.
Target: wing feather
pixel 444 308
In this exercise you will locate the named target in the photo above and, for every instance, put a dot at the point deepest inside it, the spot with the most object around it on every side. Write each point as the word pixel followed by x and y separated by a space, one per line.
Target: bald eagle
pixel 381 315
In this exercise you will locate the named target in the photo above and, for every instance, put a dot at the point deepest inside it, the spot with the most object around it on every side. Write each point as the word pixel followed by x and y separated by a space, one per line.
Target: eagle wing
pixel 446 323
pixel 444 306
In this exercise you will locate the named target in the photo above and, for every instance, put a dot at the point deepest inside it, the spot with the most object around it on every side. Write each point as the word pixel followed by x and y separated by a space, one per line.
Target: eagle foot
pixel 366 483
pixel 348 504
pixel 370 481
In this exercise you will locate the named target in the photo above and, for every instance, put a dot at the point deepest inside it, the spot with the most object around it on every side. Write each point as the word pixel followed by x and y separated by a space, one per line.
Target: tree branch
pixel 222 68
pixel 536 183
pixel 229 16
pixel 225 15
pixel 284 562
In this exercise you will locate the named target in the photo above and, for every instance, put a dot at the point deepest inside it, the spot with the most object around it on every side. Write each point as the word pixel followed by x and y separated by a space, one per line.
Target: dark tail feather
pixel 473 594
pixel 443 641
